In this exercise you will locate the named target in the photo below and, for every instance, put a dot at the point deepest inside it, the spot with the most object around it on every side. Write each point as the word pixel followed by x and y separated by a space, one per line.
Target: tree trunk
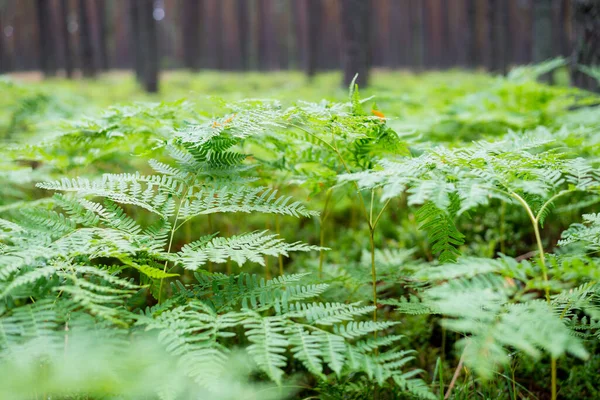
pixel 490 17
pixel 104 62
pixel 448 53
pixel 565 23
pixel 3 56
pixel 191 23
pixel 66 38
pixel 243 17
pixel 88 68
pixel 418 34
pixel 542 30
pixel 586 23
pixel 149 44
pixel 265 56
pixel 401 37
pixel 217 35
pixel 136 39
pixel 499 38
pixel 356 35
pixel 314 11
pixel 473 60
pixel 46 42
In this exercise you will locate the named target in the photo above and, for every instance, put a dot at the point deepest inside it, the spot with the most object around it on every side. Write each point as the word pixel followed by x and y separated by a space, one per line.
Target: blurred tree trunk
pixel 88 68
pixel 46 42
pixel 191 21
pixel 586 23
pixel 417 55
pixel 243 18
pixel 217 35
pixel 490 17
pixel 499 36
pixel 473 60
pixel 448 53
pixel 266 59
pixel 3 52
pixel 104 62
pixel 521 17
pixel 400 33
pixel 149 45
pixel 314 11
pixel 136 39
pixel 356 38
pixel 564 22
pixel 66 38
pixel 542 30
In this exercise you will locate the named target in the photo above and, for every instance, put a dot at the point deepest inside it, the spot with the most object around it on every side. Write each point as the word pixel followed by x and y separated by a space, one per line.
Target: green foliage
pixel 459 212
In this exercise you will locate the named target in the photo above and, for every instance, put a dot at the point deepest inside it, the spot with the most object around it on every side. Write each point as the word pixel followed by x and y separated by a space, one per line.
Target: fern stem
pixel 373 274
pixel 502 227
pixel 553 373
pixel 536 229
pixel 173 230
pixel 538 239
pixel 278 231
pixel 210 231
pixel 228 264
pixel 323 217
pixel 454 377
pixel 267 264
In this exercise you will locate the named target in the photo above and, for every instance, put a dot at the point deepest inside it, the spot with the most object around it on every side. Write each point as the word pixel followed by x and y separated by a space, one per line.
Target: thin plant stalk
pixel 322 219
pixel 278 231
pixel 210 232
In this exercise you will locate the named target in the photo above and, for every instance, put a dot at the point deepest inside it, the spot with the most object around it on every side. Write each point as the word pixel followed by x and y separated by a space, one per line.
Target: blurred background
pixel 86 37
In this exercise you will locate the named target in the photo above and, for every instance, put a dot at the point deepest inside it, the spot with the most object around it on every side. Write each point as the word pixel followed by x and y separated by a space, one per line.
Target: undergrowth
pixel 440 243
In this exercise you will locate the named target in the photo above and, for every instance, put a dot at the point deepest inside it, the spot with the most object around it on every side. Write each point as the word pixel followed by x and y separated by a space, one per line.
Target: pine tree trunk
pixel 265 36
pixel 473 60
pixel 586 23
pixel 66 39
pixel 243 18
pixel 217 35
pixel 46 42
pixel 3 53
pixel 192 44
pixel 149 44
pixel 499 38
pixel 88 68
pixel 565 22
pixel 136 44
pixel 542 30
pixel 356 39
pixel 418 34
pixel 314 11
pixel 104 62
pixel 400 34
pixel 448 54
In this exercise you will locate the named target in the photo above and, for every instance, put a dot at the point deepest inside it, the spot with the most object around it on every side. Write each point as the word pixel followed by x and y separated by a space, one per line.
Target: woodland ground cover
pixel 255 236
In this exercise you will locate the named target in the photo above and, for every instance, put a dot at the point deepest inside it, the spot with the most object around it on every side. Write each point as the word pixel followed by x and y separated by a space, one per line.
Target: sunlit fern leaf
pixel 353 329
pixel 269 344
pixel 329 313
pixel 32 321
pixel 411 305
pixel 208 200
pixel 441 230
pixel 482 311
pixel 191 332
pixel 306 348
pixel 241 249
pixel 586 233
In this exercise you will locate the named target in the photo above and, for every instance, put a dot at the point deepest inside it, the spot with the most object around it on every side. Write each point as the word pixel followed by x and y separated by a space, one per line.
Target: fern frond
pixel 241 249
